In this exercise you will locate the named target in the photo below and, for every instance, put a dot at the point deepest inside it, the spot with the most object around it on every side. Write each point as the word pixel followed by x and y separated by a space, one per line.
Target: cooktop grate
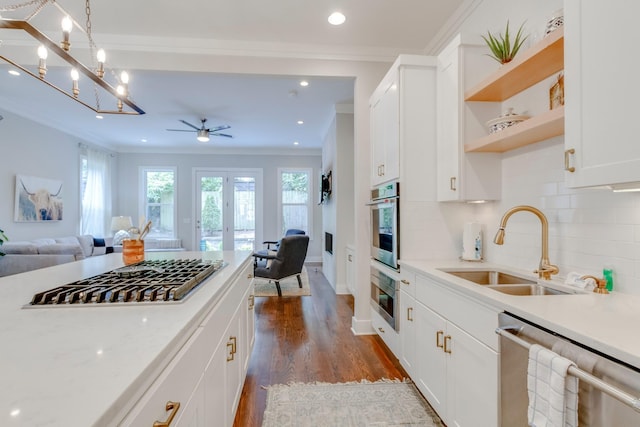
pixel 145 282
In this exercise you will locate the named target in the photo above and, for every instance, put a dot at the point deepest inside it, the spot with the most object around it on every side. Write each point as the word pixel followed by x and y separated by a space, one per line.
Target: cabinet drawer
pixel 385 331
pixel 408 281
pixel 476 319
pixel 176 383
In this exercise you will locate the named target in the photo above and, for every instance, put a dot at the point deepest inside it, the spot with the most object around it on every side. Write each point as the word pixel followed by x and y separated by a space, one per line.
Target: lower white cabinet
pixel 202 384
pixel 455 371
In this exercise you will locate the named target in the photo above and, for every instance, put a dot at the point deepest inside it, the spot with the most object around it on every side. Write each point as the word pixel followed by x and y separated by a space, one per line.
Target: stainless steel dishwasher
pixel 608 388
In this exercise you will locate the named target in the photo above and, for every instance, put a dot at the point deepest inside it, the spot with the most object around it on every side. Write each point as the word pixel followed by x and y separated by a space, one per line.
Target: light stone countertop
pixel 87 366
pixel 607 323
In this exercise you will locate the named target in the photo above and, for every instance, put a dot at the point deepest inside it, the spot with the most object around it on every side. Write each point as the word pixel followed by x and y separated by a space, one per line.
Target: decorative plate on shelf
pixel 508 119
pixel 556 21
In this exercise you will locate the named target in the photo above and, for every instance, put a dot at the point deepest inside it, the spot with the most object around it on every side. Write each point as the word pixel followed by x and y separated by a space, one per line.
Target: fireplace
pixel 328 242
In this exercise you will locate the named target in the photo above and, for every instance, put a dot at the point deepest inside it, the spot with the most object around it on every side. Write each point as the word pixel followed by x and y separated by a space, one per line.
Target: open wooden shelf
pixel 528 68
pixel 537 128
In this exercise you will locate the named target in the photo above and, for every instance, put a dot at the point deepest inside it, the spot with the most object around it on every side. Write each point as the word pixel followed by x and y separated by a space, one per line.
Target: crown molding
pixel 452 27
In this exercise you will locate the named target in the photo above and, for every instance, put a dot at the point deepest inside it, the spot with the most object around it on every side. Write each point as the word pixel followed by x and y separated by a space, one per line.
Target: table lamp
pixel 121 226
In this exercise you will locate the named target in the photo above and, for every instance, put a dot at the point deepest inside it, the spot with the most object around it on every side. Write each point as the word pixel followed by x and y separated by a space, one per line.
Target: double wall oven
pixel 385 228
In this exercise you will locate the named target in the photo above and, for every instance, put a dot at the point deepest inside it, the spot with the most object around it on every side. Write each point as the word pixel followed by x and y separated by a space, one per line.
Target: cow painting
pixel 40 204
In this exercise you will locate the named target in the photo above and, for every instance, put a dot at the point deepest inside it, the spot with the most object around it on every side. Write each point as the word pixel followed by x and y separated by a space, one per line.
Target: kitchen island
pixel 104 364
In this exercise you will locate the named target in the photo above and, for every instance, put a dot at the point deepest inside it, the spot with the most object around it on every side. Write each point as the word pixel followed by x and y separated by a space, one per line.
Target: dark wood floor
pixel 306 339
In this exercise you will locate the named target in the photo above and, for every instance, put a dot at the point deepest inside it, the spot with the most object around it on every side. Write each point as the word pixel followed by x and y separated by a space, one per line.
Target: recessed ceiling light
pixel 300 122
pixel 99 117
pixel 336 18
pixel 296 143
pixel 304 83
pixel 143 140
pixel 14 73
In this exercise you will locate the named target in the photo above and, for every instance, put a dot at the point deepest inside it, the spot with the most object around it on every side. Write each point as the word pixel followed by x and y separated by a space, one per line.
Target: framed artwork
pixel 37 199
pixel 556 93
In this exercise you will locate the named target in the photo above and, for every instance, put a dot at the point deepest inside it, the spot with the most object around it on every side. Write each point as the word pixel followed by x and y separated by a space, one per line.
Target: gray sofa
pixel 21 256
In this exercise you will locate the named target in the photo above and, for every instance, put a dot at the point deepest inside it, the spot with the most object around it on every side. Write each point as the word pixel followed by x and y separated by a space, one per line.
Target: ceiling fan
pixel 204 133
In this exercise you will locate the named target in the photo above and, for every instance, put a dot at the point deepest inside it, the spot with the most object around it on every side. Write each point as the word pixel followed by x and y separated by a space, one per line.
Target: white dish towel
pixel 553 394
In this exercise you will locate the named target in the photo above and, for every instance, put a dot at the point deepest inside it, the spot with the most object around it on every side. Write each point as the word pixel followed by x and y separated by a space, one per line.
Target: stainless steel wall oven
pixel 385 294
pixel 385 226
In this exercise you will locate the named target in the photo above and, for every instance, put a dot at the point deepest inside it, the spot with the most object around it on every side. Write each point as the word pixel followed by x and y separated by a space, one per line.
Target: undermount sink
pixel 506 283
pixel 490 277
pixel 526 290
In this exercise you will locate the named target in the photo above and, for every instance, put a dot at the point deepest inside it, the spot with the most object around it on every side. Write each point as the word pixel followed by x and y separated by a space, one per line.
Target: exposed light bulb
pixel 42 52
pixel 336 18
pixel 124 77
pixel 75 76
pixel 101 56
pixel 67 25
pixel 42 63
pixel 120 90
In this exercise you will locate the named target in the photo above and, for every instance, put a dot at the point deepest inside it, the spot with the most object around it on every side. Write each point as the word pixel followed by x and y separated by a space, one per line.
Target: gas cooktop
pixel 157 281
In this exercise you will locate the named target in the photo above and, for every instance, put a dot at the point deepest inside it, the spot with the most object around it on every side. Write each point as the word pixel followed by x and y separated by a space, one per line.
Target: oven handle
pixel 612 391
pixel 392 199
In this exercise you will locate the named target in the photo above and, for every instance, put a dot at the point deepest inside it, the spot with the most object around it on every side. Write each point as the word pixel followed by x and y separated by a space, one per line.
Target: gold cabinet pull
pixel 410 314
pixel 452 183
pixel 439 335
pixel 170 406
pixel 231 343
pixel 249 276
pixel 567 154
pixel 381 330
pixel 405 281
pixel 447 339
pixel 350 258
pixel 252 301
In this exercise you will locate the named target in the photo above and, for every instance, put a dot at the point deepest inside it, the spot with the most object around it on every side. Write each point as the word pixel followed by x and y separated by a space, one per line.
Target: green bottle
pixel 607 273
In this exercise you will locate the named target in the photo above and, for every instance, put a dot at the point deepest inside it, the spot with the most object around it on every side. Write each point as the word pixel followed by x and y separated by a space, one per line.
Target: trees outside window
pixel 159 194
pixel 295 199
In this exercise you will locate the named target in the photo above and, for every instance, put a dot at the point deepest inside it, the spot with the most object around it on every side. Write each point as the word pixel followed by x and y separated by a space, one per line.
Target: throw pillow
pixel 100 247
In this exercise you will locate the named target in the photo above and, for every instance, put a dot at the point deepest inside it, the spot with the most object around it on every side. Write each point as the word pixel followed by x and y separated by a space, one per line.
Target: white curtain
pixel 96 198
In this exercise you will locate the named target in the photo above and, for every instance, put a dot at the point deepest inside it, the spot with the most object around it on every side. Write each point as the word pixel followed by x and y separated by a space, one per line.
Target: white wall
pixel 28 148
pixel 128 188
pixel 338 209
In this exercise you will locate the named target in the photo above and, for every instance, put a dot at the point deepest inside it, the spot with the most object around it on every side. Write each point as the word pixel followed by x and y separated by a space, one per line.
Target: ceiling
pixel 262 110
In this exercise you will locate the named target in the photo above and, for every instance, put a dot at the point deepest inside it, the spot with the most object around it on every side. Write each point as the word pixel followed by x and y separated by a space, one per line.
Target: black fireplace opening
pixel 328 242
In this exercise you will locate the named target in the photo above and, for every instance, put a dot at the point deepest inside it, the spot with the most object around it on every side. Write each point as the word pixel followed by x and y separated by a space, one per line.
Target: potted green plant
pixel 3 238
pixel 502 48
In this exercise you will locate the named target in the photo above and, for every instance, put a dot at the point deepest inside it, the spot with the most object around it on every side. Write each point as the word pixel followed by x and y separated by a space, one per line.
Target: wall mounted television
pixel 325 187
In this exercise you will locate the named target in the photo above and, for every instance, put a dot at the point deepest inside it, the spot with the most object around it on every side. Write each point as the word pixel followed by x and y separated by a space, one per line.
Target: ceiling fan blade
pixel 217 128
pixel 190 125
pixel 181 130
pixel 226 135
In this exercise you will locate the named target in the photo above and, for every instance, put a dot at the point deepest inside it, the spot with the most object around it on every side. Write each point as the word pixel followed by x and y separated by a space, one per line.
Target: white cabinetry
pixel 350 270
pixel 385 133
pixel 464 176
pixel 201 386
pixel 601 136
pixel 402 114
pixel 449 349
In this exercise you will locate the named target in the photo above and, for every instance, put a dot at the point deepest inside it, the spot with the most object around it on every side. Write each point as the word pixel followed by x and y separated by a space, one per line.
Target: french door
pixel 226 209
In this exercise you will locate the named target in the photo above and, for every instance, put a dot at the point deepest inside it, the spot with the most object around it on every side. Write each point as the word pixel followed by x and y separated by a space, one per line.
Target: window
pixel 295 199
pixel 95 191
pixel 158 200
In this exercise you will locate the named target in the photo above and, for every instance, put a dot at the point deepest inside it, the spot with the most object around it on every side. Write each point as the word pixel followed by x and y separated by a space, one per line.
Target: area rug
pixel 289 286
pixel 383 403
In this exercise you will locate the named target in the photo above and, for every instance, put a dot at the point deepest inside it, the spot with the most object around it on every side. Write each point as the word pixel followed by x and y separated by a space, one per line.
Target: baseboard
pixel 361 327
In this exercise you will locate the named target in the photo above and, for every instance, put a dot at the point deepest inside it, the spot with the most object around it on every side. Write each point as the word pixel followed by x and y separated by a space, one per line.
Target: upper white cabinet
pixel 464 176
pixel 402 113
pixel 601 89
pixel 385 132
